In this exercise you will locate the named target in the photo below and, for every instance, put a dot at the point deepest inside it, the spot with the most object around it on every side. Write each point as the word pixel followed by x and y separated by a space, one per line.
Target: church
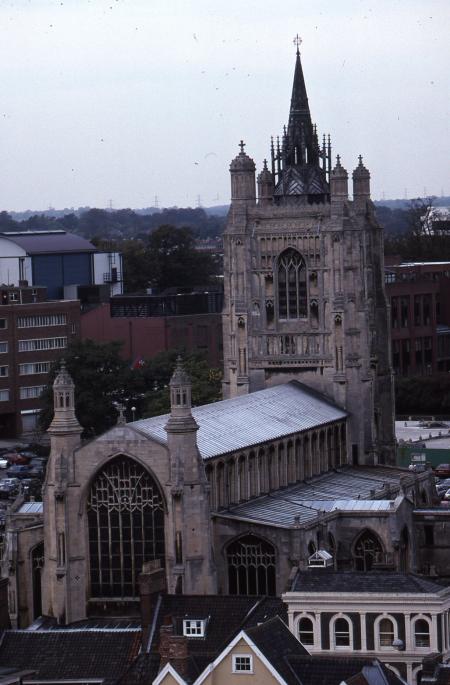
pixel 233 497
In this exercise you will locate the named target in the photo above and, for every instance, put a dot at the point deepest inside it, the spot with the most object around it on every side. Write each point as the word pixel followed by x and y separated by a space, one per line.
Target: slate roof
pixel 70 654
pixel 321 670
pixel 274 639
pixel 47 242
pixel 251 419
pixel 351 488
pixel 328 580
pixel 225 615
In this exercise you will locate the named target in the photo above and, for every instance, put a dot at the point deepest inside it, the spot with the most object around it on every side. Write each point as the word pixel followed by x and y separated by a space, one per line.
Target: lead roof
pixel 352 488
pixel 258 417
pixel 386 582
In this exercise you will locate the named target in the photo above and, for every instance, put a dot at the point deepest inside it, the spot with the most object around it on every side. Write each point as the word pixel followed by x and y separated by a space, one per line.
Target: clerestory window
pixel 292 290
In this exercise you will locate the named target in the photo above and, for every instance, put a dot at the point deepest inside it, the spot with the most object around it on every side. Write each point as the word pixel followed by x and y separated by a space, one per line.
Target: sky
pixel 119 102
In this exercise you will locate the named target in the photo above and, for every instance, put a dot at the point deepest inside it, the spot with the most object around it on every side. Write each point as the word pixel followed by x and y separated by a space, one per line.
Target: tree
pixel 99 374
pixel 174 260
pixel 103 380
pixel 206 381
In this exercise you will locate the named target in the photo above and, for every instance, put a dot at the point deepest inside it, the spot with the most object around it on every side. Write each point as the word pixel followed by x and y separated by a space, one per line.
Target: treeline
pixel 120 224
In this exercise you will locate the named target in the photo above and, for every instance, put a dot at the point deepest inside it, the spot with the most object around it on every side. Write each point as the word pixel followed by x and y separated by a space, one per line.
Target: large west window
pixel 126 527
pixel 291 283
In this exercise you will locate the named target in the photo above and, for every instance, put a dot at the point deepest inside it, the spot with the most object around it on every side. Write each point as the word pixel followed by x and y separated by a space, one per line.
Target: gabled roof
pixel 252 419
pixel 48 242
pixel 335 670
pixel 274 639
pixel 70 654
pixel 225 615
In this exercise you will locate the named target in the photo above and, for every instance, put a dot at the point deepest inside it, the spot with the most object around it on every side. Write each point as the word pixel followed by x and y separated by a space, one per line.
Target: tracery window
pixel 292 290
pixel 251 567
pixel 126 527
pixel 367 551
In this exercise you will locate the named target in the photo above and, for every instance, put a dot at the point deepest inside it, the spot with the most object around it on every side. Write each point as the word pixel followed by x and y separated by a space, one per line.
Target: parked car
pixel 442 486
pixel 443 470
pixel 4 463
pixel 9 487
pixel 418 467
pixel 18 471
pixel 16 458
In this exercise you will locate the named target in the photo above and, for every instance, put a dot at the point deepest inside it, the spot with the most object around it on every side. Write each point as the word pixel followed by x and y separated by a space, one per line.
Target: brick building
pixel 419 297
pixel 34 332
pixel 149 324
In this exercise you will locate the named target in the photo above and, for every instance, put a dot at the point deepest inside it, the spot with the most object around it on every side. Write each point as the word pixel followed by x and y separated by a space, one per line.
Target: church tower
pixel 304 282
pixel 60 539
pixel 191 565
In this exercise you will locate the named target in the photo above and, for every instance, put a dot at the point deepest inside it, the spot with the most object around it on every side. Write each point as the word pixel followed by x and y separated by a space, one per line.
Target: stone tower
pixel 304 285
pixel 192 568
pixel 60 530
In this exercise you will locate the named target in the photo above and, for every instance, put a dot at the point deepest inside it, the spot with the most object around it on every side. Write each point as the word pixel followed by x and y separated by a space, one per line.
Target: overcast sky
pixel 125 100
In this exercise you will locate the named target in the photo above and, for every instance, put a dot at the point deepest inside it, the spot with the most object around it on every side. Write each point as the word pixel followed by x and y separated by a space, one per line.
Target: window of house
pixel 13 296
pixel 34 368
pixel 41 320
pixel 194 628
pixel 341 633
pixel 386 633
pixel 421 633
pixel 31 392
pixel 3 323
pixel 242 663
pixel 3 371
pixel 42 344
pixel 4 395
pixel 306 631
pixel 3 347
pixel 404 311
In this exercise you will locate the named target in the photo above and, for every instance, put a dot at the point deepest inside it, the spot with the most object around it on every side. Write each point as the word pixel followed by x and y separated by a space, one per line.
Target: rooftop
pixel 47 242
pixel 387 582
pixel 252 419
pixel 352 488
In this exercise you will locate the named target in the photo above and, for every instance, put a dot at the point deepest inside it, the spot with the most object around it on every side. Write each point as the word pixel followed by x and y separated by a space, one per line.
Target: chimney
pixel 173 649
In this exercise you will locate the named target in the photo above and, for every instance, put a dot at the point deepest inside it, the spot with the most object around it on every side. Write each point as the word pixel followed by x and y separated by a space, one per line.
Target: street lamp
pixel 133 412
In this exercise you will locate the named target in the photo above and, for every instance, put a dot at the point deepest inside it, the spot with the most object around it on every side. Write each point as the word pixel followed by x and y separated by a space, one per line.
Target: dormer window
pixel 194 627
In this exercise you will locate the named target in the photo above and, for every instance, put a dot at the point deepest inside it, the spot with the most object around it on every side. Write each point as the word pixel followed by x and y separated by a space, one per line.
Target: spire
pixel 297 165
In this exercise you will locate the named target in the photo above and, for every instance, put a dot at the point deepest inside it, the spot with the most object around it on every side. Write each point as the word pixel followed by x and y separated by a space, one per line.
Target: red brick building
pixel 34 333
pixel 148 324
pixel 419 298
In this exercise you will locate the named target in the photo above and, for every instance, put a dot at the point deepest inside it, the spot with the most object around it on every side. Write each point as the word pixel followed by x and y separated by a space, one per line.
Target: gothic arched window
pixel 251 567
pixel 126 527
pixel 367 551
pixel 37 563
pixel 292 291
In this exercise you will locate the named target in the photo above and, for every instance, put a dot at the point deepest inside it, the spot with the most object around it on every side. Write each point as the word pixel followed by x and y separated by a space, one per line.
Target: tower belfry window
pixel 292 291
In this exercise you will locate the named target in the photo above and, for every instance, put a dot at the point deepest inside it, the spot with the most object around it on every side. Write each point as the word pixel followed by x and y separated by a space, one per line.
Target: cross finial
pixel 360 160
pixel 297 41
pixel 242 145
